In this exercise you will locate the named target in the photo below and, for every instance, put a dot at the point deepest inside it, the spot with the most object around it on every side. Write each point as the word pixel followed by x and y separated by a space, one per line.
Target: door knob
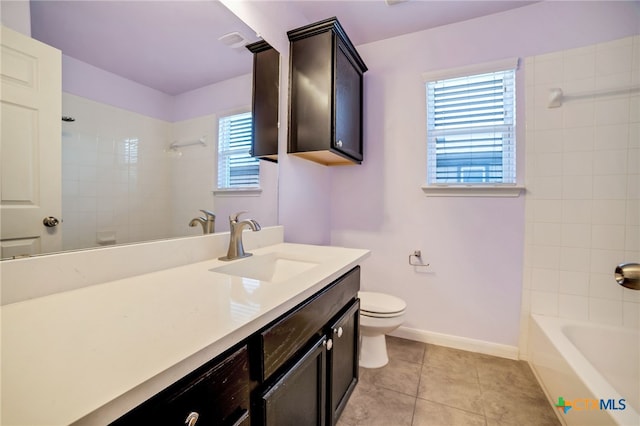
pixel 50 222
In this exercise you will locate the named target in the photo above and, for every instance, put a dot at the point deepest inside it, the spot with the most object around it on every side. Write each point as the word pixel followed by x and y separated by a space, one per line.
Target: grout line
pixel 415 402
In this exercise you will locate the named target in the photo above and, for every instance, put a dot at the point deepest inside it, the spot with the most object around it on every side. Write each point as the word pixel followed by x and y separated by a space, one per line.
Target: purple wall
pixel 82 79
pixel 87 81
pixel 474 245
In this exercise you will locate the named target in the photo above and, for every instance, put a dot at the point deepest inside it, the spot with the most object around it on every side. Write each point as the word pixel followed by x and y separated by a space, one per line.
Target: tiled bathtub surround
pixel 121 183
pixel 583 183
pixel 116 175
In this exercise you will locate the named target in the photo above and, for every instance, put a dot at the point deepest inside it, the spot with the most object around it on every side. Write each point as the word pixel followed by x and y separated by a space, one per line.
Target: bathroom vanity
pixel 262 342
pixel 300 369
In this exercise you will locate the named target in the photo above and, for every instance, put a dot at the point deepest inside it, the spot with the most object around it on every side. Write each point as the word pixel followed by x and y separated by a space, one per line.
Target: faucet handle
pixel 208 214
pixel 234 217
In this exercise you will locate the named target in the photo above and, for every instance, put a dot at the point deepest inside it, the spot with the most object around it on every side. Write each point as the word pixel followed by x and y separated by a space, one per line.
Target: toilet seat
pixel 380 305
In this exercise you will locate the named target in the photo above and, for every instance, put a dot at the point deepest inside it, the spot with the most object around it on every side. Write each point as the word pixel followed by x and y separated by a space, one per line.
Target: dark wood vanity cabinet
pixel 326 95
pixel 266 91
pixel 298 370
pixel 310 358
pixel 217 393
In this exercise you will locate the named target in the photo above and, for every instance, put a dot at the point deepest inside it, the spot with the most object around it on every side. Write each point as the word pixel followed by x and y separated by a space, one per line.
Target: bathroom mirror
pixel 143 86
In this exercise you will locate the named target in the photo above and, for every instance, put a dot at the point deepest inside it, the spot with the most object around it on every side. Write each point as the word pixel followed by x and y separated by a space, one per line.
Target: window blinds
pixel 471 129
pixel 236 167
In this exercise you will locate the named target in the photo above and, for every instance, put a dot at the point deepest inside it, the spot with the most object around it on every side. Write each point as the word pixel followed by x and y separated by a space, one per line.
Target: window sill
pixel 472 190
pixel 248 192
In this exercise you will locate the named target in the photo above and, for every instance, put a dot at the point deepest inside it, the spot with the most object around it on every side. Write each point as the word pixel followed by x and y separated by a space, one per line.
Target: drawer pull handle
pixel 338 331
pixel 191 419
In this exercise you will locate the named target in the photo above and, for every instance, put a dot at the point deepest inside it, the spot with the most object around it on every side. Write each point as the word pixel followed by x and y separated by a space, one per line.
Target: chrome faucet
pixel 208 222
pixel 236 249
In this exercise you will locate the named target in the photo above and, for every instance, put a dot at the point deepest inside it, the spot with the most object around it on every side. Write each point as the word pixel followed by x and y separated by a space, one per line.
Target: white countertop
pixel 91 354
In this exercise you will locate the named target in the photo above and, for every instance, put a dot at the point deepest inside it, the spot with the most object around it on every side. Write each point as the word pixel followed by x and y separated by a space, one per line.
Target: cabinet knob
pixel 329 344
pixel 339 144
pixel 191 419
pixel 338 331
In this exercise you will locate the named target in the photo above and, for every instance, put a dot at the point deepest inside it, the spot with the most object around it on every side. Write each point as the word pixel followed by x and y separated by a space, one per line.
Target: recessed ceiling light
pixel 393 2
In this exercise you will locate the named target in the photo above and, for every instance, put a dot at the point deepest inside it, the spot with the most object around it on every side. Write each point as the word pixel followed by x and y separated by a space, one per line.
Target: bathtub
pixel 584 363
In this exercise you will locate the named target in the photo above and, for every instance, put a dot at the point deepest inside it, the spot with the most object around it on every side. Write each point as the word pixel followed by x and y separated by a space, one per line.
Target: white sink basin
pixel 272 267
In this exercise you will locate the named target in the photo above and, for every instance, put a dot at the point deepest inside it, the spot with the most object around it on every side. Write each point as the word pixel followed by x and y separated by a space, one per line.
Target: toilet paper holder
pixel 628 275
pixel 418 255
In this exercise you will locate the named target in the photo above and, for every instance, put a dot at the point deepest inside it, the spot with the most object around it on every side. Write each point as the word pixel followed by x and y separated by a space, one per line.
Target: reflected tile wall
pixel 115 175
pixel 582 178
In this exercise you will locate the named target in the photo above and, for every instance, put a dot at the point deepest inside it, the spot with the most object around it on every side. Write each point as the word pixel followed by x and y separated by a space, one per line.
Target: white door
pixel 30 150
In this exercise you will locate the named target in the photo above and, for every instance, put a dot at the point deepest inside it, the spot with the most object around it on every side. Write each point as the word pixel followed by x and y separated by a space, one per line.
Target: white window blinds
pixel 471 129
pixel 236 168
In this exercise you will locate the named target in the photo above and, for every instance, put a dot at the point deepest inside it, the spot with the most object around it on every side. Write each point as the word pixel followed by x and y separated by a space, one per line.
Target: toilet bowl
pixel 379 314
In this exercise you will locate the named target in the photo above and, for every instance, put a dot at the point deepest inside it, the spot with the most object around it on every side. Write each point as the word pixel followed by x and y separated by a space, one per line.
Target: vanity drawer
pixel 216 393
pixel 281 340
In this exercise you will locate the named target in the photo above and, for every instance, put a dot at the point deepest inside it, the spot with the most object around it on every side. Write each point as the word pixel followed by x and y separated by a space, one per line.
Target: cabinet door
pixel 297 398
pixel 343 360
pixel 281 341
pixel 266 91
pixel 310 125
pixel 348 106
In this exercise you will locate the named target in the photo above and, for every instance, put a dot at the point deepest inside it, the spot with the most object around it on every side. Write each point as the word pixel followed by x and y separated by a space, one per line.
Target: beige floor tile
pixel 436 355
pixel 512 378
pixel 374 406
pixel 406 350
pixel 505 409
pixel 449 359
pixel 397 375
pixel 451 388
pixel 432 414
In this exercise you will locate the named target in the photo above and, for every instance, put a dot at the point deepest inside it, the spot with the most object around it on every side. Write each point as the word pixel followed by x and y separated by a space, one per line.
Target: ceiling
pixel 173 46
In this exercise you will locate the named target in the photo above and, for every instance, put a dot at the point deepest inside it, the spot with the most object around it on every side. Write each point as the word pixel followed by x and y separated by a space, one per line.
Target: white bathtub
pixel 580 362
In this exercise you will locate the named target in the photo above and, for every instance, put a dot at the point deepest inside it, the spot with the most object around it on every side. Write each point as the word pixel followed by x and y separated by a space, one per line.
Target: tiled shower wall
pixel 116 180
pixel 583 183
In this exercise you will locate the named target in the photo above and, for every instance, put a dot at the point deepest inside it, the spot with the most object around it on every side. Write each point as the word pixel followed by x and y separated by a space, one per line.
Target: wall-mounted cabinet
pixel 326 95
pixel 266 89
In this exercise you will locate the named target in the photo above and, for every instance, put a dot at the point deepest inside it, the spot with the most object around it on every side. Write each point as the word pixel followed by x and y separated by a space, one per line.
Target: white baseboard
pixel 457 342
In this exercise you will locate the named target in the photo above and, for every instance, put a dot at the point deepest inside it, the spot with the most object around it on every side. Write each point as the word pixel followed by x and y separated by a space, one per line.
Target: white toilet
pixel 379 314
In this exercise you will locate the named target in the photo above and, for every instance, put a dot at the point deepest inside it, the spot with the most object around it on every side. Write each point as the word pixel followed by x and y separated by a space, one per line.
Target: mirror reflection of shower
pixel 174 148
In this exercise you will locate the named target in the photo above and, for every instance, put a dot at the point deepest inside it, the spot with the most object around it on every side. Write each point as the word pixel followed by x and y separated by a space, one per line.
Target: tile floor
pixel 425 384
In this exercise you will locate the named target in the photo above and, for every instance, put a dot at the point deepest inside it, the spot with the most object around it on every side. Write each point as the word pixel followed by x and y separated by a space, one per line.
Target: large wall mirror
pixel 144 84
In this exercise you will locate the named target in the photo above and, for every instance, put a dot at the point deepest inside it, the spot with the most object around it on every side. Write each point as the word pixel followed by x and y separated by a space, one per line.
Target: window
pixel 236 168
pixel 471 129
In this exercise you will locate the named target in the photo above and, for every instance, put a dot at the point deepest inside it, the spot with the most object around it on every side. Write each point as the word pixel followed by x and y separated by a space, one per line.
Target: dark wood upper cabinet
pixel 326 95
pixel 266 90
